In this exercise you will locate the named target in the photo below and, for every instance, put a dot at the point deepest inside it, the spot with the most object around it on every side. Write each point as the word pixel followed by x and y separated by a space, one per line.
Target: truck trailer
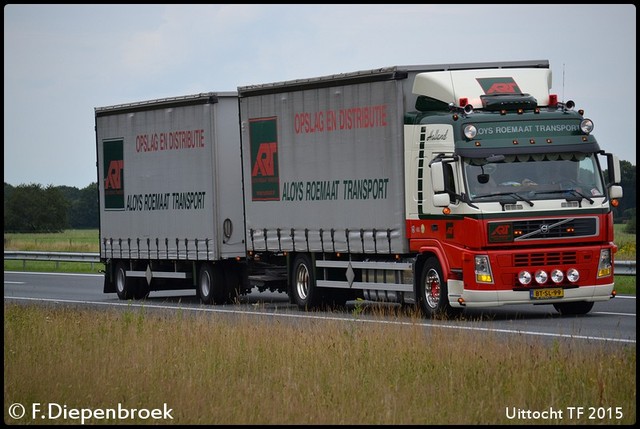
pixel 440 186
pixel 171 207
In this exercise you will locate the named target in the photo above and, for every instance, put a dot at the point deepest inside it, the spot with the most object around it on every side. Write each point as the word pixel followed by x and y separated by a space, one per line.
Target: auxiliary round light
pixel 470 131
pixel 573 275
pixel 541 277
pixel 524 277
pixel 557 276
pixel 586 126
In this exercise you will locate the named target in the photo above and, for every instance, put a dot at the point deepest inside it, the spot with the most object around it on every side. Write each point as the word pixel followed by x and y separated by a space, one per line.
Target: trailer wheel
pixel 305 292
pixel 433 291
pixel 128 287
pixel 212 288
pixel 573 308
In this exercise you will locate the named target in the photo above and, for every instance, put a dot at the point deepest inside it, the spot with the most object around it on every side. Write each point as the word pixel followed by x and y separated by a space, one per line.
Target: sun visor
pixel 462 87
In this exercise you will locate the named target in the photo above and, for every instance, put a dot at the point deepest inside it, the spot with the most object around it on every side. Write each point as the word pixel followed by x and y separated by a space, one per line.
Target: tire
pixel 305 294
pixel 128 287
pixel 212 288
pixel 573 308
pixel 433 292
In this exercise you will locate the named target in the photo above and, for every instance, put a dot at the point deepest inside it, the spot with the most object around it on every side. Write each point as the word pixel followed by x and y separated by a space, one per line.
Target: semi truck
pixel 443 187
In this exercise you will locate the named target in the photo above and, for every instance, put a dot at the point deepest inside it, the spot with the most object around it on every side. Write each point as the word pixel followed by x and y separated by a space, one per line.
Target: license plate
pixel 546 293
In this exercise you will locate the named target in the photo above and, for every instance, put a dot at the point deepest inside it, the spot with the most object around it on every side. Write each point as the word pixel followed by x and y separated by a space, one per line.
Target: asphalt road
pixel 613 321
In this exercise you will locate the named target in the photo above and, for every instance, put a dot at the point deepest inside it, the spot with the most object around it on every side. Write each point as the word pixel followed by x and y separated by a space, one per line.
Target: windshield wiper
pixel 512 194
pixel 573 192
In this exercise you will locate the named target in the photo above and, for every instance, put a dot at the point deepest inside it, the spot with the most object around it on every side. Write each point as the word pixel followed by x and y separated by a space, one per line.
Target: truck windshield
pixel 573 176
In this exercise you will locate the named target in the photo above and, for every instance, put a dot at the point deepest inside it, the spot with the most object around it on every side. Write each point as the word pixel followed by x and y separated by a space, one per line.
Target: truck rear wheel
pixel 212 287
pixel 304 290
pixel 433 291
pixel 573 308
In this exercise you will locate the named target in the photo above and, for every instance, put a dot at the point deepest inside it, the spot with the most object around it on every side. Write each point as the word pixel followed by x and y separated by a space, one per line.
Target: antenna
pixel 563 82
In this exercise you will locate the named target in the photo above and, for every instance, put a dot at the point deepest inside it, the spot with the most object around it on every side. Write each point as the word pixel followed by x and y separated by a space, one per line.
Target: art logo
pixel 499 85
pixel 265 179
pixel 500 232
pixel 113 179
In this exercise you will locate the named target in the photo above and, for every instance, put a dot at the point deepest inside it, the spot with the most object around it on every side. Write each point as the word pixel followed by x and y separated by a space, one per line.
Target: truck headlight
pixel 483 269
pixel 604 265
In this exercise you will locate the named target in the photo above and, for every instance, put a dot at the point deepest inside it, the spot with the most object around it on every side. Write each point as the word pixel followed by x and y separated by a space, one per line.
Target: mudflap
pixel 109 286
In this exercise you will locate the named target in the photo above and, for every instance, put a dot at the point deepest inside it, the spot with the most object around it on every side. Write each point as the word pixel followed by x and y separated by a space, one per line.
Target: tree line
pixel 35 208
pixel 626 211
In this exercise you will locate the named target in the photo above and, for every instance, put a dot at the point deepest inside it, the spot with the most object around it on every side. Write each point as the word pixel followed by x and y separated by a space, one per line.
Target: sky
pixel 63 61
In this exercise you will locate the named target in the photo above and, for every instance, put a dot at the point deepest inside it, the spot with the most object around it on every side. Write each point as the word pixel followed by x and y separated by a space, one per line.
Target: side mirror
pixel 437 177
pixel 441 200
pixel 613 168
pixel 615 191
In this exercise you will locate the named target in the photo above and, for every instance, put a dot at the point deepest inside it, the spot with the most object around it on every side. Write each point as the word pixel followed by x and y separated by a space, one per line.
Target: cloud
pixel 61 61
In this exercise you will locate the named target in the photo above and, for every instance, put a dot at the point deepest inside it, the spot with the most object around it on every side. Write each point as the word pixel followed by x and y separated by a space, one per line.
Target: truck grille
pixel 537 229
pixel 544 258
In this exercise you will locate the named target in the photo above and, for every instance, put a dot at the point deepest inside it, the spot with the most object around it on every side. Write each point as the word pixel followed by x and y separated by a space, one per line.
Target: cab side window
pixel 449 181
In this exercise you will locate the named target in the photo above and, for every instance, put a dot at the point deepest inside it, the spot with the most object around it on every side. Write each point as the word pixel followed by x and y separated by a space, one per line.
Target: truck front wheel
pixel 305 292
pixel 433 291
pixel 573 308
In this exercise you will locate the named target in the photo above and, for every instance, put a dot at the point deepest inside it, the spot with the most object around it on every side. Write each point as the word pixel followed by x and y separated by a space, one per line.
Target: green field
pixel 71 240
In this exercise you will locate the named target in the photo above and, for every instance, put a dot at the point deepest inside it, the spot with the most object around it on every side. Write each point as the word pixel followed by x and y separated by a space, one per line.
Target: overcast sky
pixel 62 61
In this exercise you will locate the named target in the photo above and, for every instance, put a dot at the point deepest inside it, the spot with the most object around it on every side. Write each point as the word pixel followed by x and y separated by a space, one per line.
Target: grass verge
pixel 209 369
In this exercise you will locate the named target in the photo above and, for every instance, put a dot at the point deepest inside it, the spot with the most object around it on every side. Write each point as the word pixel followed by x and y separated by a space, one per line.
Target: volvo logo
pixel 544 228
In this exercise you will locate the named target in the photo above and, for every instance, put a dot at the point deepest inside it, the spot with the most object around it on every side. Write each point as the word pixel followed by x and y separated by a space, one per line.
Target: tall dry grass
pixel 210 369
